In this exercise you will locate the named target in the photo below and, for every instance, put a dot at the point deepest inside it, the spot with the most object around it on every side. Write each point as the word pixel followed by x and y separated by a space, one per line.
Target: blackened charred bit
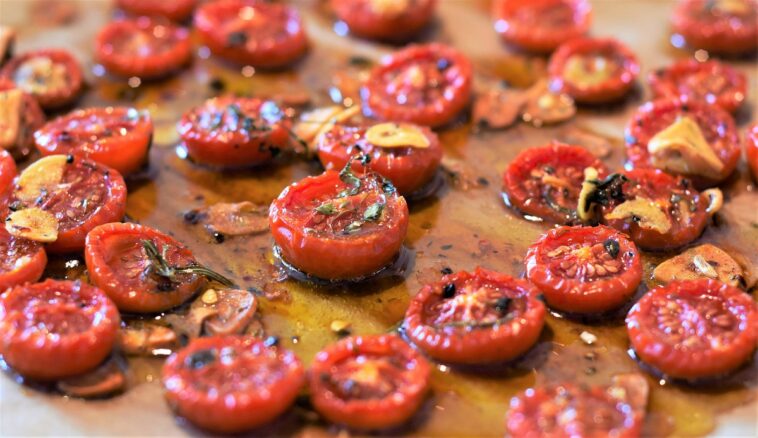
pixel 359 61
pixel 192 217
pixel 446 247
pixel 236 39
pixel 217 84
pixel 69 159
pixel 448 291
pixel 502 305
pixel 446 271
pixel 218 237
pixel 484 182
pixel 200 359
pixel 612 247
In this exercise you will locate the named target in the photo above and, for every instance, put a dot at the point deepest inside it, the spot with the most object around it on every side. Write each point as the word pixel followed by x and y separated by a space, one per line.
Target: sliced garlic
pixel 389 7
pixel 315 123
pixel 544 107
pixel 576 70
pixel 11 108
pixel 40 75
pixel 704 261
pixel 648 214
pixel 33 224
pixel 394 135
pixel 42 175
pixel 583 207
pixel 682 148
pixel 716 198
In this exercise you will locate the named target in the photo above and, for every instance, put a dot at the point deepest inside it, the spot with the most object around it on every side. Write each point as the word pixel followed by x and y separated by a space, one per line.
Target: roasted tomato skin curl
pixel 751 149
pixel 394 363
pixel 364 20
pixel 117 137
pixel 694 329
pixel 704 25
pixel 231 384
pixel 62 61
pixel 584 269
pixel 24 260
pixel 56 329
pixel 431 321
pixel 174 10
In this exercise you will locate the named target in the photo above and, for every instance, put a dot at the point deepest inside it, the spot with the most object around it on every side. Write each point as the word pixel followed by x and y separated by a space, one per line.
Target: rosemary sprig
pixel 160 266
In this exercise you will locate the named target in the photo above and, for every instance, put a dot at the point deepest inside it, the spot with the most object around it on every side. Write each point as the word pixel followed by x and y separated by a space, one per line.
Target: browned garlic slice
pixel 11 107
pixel 105 380
pixel 237 219
pixel 389 7
pixel 716 197
pixel 704 261
pixel 320 120
pixel 583 208
pixel 682 148
pixel 544 106
pixel 648 214
pixel 42 175
pixel 143 339
pixel 396 135
pixel 497 107
pixel 577 72
pixel 33 224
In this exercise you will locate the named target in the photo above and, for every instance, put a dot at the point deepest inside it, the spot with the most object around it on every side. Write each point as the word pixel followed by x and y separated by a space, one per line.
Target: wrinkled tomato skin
pixel 215 23
pixel 8 172
pixel 32 118
pixel 476 345
pixel 23 261
pixel 717 126
pixel 662 346
pixel 115 261
pixel 168 53
pixel 89 133
pixel 728 35
pixel 174 10
pixel 681 79
pixel 408 168
pixel 370 413
pixel 610 90
pixel 521 22
pixel 249 389
pixel 751 149
pixel 363 20
pixel 380 93
pixel 231 148
pixel 84 322
pixel 577 293
pixel 557 156
pixel 334 257
pixel 49 99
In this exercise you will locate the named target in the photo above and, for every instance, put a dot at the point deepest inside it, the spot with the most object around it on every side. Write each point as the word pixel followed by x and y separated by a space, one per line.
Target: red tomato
pixel 175 10
pixel 23 260
pixel 369 382
pixel 409 168
pixel 694 328
pixel 728 27
pixel 234 132
pixel 584 269
pixel 229 384
pixel 541 25
pixel 116 137
pixel 19 138
pixel 475 318
pixel 56 329
pixel 751 149
pixel 118 263
pixel 711 81
pixel 384 20
pixel 716 125
pixel 424 84
pixel 53 77
pixel 7 173
pixel 593 70
pixel 338 226
pixel 251 32
pixel 545 181
pixel 142 47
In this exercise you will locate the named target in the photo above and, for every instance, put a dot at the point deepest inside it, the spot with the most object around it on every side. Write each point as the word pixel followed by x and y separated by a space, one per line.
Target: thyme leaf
pixel 159 266
pixel 327 209
pixel 348 177
pixel 373 212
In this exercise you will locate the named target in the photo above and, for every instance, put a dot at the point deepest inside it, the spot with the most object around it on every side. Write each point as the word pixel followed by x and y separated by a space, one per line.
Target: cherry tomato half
pixel 234 132
pixel 56 329
pixel 424 84
pixel 593 70
pixel 694 328
pixel 584 269
pixel 228 384
pixel 751 149
pixel 175 10
pixel 409 168
pixel 369 382
pixel 382 20
pixel 250 32
pixel 116 137
pixel 711 81
pixel 22 116
pixel 716 126
pixel 541 25
pixel 118 263
pixel 142 47
pixel 722 26
pixel 475 318
pixel 545 181
pixel 7 173
pixel 23 260
pixel 53 77
pixel 339 226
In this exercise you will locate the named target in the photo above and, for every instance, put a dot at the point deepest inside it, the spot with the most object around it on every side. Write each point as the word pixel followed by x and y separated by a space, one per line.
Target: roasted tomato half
pixel 545 182
pixel 541 25
pixel 56 329
pixel 229 384
pixel 250 32
pixel 58 199
pixel 21 116
pixel 142 47
pixel 140 268
pixel 751 149
pixel 423 84
pixel 711 81
pixel 8 171
pixel 234 132
pixel 53 77
pixel 722 26
pixel 682 137
pixel 694 328
pixel 116 137
pixel 475 318
pixel 385 20
pixel 369 382
pixel 584 269
pixel 593 70
pixel 23 260
pixel 175 10
pixel 339 226
pixel 408 155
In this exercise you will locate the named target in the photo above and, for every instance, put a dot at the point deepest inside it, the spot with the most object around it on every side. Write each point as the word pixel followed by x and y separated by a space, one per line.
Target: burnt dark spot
pixel 446 271
pixel 192 217
pixel 69 159
pixel 236 39
pixel 218 237
pixel 448 291
pixel 446 247
pixel 502 304
pixel 612 247
pixel 200 359
pixel 65 136
pixel 359 61
pixel 275 151
pixel 483 181
pixel 217 84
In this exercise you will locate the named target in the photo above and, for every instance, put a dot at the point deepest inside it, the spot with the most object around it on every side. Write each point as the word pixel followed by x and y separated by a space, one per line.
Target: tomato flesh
pixel 8 172
pixel 723 26
pixel 23 260
pixel 53 77
pixel 751 147
pixel 379 20
pixel 541 25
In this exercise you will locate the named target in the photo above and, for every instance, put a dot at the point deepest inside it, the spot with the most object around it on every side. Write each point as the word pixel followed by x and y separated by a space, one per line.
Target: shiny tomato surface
pixel 728 27
pixel 751 149
pixel 382 20
pixel 22 260
pixel 175 10
pixel 19 140
pixel 8 171
pixel 53 77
